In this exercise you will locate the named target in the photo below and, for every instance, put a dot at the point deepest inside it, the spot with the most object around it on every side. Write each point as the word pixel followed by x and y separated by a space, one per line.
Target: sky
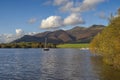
pixel 28 17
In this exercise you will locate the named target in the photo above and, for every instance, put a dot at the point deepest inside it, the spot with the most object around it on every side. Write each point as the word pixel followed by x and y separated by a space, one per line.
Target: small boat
pixel 46 49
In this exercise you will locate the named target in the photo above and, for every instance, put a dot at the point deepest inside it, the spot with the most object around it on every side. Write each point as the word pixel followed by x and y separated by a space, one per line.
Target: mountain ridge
pixel 74 35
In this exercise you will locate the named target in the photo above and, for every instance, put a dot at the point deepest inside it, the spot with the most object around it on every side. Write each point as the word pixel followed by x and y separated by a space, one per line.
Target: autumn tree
pixel 107 43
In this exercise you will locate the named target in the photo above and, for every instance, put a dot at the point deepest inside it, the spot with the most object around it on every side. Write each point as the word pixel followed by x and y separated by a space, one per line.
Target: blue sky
pixel 28 15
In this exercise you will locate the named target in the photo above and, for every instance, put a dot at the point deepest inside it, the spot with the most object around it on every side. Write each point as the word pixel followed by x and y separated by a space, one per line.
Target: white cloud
pixel 67 7
pixel 10 37
pixel 89 4
pixel 60 2
pixel 57 21
pixel 52 22
pixel 74 8
pixel 2 39
pixel 6 38
pixel 73 19
pixel 19 32
pixel 92 2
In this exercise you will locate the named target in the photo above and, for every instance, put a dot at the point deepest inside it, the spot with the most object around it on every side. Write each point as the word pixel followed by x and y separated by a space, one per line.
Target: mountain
pixel 83 34
pixel 76 34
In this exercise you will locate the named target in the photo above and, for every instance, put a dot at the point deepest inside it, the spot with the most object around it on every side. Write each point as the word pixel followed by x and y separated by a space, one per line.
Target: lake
pixel 56 64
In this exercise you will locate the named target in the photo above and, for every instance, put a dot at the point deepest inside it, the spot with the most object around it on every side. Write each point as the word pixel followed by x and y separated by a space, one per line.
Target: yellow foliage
pixel 107 43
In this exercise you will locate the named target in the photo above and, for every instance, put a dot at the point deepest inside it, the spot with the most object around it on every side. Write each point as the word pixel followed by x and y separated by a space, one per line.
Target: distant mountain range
pixel 74 35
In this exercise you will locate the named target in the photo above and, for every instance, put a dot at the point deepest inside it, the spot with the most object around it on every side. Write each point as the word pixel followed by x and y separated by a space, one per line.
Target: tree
pixel 107 43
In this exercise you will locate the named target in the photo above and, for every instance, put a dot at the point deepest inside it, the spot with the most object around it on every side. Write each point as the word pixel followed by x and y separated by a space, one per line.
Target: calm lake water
pixel 56 64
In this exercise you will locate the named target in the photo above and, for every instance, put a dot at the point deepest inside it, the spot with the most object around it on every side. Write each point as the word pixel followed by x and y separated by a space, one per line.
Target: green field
pixel 85 45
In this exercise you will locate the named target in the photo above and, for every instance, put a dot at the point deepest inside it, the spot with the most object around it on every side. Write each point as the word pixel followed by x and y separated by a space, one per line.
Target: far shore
pixel 82 46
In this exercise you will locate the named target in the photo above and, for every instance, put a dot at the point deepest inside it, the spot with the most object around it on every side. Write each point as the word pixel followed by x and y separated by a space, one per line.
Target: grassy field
pixel 85 45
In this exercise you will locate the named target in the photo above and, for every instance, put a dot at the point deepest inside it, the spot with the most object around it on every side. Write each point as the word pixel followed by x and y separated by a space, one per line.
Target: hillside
pixel 74 35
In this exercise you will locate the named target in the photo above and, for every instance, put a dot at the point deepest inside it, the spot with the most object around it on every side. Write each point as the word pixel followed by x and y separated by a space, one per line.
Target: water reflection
pixel 104 71
pixel 56 64
pixel 68 65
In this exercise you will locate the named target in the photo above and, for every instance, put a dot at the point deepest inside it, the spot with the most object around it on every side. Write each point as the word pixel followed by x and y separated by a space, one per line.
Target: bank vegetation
pixel 107 43
pixel 27 45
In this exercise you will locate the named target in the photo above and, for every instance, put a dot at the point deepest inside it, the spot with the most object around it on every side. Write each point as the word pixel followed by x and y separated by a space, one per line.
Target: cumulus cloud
pixel 52 22
pixel 74 8
pixel 89 4
pixel 6 38
pixel 57 21
pixel 67 7
pixel 19 32
pixel 2 39
pixel 32 20
pixel 73 19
